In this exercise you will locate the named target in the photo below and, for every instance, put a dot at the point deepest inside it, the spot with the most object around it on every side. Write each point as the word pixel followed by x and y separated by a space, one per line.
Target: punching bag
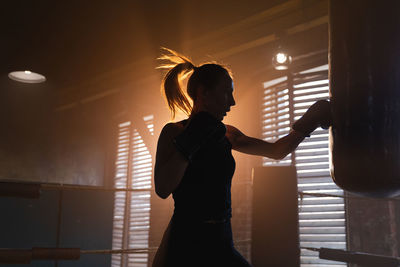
pixel 364 76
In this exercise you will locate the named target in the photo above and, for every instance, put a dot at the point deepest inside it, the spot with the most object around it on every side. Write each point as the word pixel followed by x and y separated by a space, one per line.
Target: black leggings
pixel 202 245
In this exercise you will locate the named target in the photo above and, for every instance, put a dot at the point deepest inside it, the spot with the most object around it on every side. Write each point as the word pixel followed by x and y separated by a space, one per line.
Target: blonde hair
pixel 180 67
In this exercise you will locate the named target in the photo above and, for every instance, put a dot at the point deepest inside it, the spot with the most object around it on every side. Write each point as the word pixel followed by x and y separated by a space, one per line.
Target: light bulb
pixel 281 58
pixel 281 61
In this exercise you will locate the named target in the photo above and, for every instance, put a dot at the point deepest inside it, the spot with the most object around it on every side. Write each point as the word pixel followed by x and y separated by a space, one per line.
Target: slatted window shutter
pixel 132 209
pixel 120 181
pixel 149 120
pixel 275 115
pixel 321 219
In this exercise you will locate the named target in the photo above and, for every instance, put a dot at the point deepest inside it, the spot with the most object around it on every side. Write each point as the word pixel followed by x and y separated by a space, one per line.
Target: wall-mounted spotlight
pixel 281 60
pixel 26 76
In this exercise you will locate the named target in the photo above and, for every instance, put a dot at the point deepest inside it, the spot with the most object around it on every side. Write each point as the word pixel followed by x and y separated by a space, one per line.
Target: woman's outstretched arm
pixel 255 146
pixel 318 115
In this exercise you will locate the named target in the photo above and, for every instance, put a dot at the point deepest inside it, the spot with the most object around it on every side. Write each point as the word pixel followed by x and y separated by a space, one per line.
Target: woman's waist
pixel 209 217
pixel 199 232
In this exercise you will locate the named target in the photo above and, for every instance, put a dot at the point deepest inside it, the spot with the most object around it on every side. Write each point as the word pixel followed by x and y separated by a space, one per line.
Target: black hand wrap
pixel 201 128
pixel 318 115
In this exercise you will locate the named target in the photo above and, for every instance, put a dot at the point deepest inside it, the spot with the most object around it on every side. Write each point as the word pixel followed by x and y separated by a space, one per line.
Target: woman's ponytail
pixel 179 67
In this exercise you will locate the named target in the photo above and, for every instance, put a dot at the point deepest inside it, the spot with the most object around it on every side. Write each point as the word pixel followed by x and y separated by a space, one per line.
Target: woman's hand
pixel 318 115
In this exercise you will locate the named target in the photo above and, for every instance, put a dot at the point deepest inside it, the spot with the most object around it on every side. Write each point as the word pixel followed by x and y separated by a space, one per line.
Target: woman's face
pixel 219 101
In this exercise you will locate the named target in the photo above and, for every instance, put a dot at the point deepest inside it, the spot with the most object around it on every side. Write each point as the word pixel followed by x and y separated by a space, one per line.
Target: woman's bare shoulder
pixel 165 145
pixel 172 127
pixel 233 131
pixel 234 135
pixel 170 130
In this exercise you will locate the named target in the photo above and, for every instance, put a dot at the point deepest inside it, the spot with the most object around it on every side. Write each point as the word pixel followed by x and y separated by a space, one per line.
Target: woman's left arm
pixel 317 115
pixel 255 146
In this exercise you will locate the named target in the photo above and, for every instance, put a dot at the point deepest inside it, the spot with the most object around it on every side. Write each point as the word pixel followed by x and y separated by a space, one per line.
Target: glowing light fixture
pixel 26 76
pixel 281 60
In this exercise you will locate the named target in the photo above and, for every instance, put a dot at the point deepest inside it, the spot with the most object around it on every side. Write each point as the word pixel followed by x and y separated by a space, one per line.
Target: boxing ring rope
pixel 302 194
pixel 119 251
pixel 33 190
pixel 25 256
pixel 89 188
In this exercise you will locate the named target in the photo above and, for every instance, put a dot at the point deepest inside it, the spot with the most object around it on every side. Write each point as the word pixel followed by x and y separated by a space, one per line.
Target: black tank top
pixel 205 190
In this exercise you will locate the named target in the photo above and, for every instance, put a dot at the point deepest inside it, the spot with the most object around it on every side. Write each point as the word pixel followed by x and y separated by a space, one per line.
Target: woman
pixel 194 163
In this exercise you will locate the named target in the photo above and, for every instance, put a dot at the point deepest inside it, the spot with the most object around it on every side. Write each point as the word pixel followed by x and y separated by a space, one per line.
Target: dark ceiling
pixel 69 41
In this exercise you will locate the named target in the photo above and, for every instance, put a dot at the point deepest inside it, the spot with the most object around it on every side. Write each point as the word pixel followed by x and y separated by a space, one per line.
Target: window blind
pixel 120 181
pixel 132 209
pixel 321 219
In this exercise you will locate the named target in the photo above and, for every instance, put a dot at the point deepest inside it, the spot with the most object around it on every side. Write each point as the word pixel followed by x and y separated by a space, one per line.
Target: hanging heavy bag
pixel 364 41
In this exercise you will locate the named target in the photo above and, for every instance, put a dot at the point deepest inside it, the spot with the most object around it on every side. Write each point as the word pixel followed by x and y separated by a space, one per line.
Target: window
pixel 321 219
pixel 132 209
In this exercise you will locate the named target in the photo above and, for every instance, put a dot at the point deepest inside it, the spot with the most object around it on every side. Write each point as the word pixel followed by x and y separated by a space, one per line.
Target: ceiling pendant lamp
pixel 26 77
